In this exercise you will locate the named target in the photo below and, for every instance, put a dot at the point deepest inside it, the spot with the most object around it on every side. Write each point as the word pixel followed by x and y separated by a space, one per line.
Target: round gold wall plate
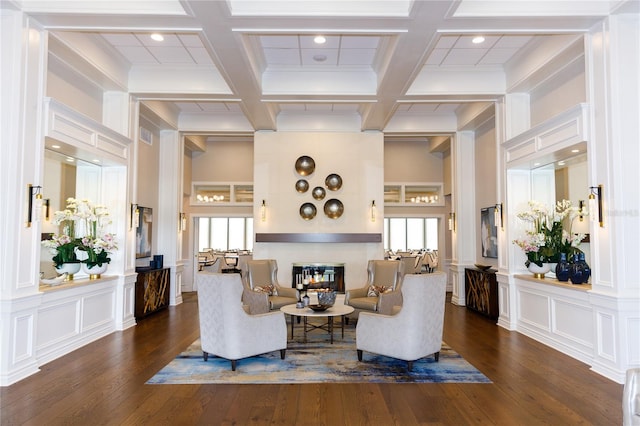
pixel 308 211
pixel 333 208
pixel 302 185
pixel 305 165
pixel 318 193
pixel 333 182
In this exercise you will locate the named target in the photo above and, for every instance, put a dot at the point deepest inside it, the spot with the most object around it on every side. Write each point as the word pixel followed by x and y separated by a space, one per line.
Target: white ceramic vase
pixel 95 271
pixel 69 268
pixel 539 271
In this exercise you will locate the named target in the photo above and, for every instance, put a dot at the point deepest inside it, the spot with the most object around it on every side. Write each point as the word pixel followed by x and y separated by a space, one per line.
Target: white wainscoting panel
pixel 73 316
pixel 534 309
pixel 558 315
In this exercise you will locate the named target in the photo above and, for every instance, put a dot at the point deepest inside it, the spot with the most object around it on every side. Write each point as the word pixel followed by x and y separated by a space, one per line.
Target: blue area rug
pixel 317 361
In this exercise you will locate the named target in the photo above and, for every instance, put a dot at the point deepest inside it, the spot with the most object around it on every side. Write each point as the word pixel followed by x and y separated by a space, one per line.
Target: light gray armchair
pixel 387 273
pixel 415 331
pixel 631 398
pixel 227 330
pixel 262 273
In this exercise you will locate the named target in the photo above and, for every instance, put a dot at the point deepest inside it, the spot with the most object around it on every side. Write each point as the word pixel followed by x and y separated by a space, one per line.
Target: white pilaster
pixel 24 59
pixel 613 65
pixel 463 205
pixel 169 203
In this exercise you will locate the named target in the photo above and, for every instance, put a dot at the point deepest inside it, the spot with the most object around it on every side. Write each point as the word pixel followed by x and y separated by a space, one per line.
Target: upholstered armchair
pixel 414 331
pixel 227 330
pixel 262 288
pixel 631 398
pixel 373 297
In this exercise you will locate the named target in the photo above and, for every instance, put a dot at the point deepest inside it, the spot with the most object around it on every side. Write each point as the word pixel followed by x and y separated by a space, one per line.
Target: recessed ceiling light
pixel 319 39
pixel 55 146
pixel 561 163
pixel 96 161
pixel 157 37
pixel 575 150
pixel 319 58
pixel 70 159
pixel 477 40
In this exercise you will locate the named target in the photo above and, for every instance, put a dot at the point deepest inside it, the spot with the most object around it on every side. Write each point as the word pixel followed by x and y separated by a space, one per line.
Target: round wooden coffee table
pixel 306 313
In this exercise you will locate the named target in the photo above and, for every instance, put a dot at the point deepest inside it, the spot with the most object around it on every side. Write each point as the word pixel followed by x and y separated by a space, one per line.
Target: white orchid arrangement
pixel 548 236
pixel 82 225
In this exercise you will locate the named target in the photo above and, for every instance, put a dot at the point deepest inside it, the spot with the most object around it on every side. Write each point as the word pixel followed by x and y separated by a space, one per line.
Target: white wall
pixel 485 180
pixel 563 91
pixel 358 159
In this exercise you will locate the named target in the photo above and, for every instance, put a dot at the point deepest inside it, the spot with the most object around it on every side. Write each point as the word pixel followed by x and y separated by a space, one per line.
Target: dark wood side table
pixel 152 291
pixel 481 291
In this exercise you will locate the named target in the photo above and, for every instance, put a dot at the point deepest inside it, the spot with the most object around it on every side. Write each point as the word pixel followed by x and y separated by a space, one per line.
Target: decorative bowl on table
pixel 327 298
pixel 482 267
pixel 319 307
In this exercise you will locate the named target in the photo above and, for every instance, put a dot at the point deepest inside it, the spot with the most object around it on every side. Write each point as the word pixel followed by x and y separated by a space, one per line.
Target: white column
pixel 169 203
pixel 24 63
pixel 613 65
pixel 463 205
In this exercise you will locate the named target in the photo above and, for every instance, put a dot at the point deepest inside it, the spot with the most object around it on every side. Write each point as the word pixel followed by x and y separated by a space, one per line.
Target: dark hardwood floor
pixel 104 383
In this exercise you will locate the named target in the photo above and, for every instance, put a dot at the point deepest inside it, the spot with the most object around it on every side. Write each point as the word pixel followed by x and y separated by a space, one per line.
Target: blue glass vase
pixel 562 268
pixel 576 271
pixel 584 266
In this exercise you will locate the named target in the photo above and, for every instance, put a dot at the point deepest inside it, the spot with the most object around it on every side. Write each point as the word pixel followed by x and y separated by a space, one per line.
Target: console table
pixel 332 274
pixel 481 291
pixel 152 291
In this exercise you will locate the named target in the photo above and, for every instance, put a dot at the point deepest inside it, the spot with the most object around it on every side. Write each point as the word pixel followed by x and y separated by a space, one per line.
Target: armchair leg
pixel 359 354
pixel 233 365
pixel 205 356
pixel 437 356
pixel 409 365
pixel 282 353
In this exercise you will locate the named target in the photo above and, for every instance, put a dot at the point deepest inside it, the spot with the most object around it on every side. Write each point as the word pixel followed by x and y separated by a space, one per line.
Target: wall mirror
pixel 561 175
pixel 68 177
pixel 65 177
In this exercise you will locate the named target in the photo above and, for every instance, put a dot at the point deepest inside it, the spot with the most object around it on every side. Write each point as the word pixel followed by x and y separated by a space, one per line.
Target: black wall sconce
pixel 135 216
pixel 373 210
pixel 34 195
pixel 497 216
pixel 182 222
pixel 47 208
pixel 581 210
pixel 263 211
pixel 595 203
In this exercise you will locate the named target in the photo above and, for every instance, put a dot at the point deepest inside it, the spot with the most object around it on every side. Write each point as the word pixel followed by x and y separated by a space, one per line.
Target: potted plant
pixel 82 239
pixel 548 238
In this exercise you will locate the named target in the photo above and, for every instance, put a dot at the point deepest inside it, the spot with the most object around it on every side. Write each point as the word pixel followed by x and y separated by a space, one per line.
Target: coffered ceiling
pixel 241 65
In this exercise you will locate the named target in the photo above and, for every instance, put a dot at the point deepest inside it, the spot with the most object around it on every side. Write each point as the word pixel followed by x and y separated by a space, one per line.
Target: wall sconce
pixel 182 222
pixel 263 211
pixel 35 206
pixel 452 221
pixel 497 216
pixel 47 208
pixel 373 210
pixel 595 203
pixel 581 210
pixel 135 216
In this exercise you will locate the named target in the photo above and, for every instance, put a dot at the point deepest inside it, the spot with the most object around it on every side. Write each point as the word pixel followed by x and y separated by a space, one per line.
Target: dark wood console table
pixel 481 291
pixel 152 291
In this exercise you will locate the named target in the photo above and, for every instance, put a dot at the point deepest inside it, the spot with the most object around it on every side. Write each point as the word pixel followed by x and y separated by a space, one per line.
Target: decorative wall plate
pixel 308 211
pixel 333 208
pixel 305 165
pixel 333 182
pixel 302 185
pixel 318 193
